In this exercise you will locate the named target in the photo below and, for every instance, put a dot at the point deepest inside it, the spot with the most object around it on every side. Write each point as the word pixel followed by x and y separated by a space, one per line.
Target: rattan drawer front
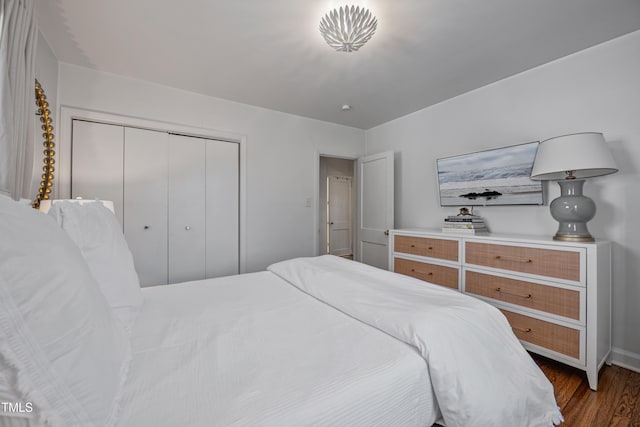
pixel 438 274
pixel 545 334
pixel 544 262
pixel 424 246
pixel 560 301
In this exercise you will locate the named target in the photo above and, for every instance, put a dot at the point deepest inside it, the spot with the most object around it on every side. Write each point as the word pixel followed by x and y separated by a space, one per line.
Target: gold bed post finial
pixel 47 169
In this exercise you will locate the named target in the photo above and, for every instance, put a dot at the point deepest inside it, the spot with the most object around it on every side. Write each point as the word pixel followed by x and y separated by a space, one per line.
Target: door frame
pixel 62 184
pixel 316 196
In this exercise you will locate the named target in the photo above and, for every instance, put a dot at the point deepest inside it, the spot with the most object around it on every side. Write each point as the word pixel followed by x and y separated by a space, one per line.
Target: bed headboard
pixel 48 168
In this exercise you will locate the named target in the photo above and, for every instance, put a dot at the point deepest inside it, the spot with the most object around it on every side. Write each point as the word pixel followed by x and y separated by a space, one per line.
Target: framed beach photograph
pixel 500 176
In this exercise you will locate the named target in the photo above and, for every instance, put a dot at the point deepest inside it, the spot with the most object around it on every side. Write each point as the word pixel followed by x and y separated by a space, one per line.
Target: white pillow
pixel 70 353
pixel 98 234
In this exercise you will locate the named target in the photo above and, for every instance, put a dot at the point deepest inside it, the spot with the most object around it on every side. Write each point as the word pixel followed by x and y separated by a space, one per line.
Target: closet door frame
pixel 62 184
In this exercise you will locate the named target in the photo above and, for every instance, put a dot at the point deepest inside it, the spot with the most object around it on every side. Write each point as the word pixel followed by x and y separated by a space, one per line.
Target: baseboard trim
pixel 625 359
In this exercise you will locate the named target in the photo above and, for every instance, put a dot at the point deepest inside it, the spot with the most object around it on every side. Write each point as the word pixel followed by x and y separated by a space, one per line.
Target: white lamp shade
pixel 586 154
pixel 45 205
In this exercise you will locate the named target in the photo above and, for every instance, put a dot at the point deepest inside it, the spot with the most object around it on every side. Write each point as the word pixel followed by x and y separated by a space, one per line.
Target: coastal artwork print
pixel 493 177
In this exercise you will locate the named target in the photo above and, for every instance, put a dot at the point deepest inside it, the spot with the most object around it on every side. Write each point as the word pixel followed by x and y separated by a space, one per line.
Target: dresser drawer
pixel 433 273
pixel 558 264
pixel 428 247
pixel 550 299
pixel 554 337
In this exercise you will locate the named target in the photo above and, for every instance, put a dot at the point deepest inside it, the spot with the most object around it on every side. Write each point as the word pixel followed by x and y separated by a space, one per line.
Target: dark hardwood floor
pixel 616 403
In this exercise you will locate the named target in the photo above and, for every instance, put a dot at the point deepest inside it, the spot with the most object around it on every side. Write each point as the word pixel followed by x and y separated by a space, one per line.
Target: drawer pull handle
pixel 430 247
pixel 526 331
pixel 413 246
pixel 502 291
pixel 413 270
pixel 505 258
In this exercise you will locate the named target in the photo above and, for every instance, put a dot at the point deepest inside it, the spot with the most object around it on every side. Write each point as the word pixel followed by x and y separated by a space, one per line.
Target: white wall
pixel 281 151
pixel 598 90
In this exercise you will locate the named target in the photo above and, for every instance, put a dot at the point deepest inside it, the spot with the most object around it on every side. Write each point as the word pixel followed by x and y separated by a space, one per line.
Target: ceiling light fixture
pixel 347 29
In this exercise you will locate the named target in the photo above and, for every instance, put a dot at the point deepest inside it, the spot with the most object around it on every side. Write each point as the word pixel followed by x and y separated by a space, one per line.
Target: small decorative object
pixel 348 28
pixel 48 168
pixel 569 159
pixel 464 212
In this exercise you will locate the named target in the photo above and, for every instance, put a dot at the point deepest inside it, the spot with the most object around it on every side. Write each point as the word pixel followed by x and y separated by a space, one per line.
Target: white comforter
pixel 480 373
pixel 252 350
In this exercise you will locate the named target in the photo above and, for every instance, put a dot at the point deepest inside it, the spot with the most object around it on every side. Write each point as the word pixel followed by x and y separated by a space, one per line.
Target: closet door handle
pixel 146 227
pixel 188 227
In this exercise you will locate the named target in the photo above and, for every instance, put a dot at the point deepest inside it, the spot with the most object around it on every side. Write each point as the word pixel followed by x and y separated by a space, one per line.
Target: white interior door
pixel 187 203
pixel 223 208
pixel 96 163
pixel 145 199
pixel 339 211
pixel 375 208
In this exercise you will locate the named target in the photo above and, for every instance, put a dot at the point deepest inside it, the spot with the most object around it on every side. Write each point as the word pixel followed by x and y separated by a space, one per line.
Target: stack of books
pixel 464 224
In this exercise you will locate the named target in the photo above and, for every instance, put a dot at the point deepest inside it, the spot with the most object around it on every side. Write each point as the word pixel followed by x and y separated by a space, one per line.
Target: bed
pixel 310 341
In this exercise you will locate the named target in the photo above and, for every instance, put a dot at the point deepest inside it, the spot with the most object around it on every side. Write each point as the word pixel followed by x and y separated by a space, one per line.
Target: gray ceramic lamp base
pixel 572 210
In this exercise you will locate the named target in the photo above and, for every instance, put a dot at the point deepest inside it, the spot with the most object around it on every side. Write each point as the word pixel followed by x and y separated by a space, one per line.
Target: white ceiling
pixel 269 53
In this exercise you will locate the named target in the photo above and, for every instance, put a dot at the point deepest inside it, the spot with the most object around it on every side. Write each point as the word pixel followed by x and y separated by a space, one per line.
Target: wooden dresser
pixel 555 295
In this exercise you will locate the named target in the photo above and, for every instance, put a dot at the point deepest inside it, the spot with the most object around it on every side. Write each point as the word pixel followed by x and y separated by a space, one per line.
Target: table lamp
pixel 45 205
pixel 569 159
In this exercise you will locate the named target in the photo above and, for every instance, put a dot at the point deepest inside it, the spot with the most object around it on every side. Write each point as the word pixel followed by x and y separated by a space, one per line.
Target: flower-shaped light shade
pixel 347 29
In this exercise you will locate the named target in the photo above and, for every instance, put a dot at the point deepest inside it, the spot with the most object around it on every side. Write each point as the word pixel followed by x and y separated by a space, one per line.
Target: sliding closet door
pixel 187 229
pixel 96 163
pixel 222 210
pixel 146 156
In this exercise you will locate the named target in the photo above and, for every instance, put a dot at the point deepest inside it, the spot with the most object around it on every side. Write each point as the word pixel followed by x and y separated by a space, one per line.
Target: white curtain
pixel 18 37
